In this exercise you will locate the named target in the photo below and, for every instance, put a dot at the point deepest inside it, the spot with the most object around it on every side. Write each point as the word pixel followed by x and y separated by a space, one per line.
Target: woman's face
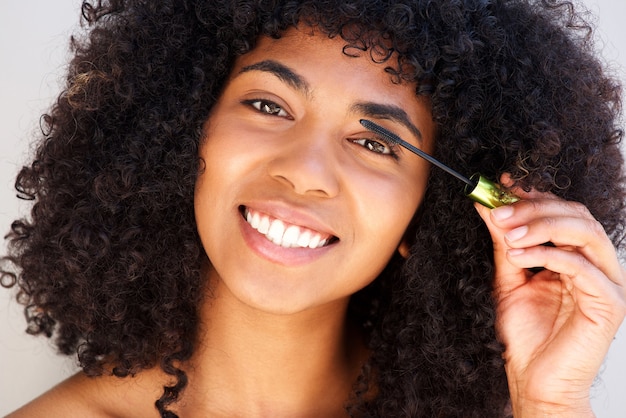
pixel 299 206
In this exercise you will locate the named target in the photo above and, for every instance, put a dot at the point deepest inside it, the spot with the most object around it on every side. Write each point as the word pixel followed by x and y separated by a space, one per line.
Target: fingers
pixel 520 231
pixel 568 225
pixel 600 299
pixel 582 257
pixel 509 276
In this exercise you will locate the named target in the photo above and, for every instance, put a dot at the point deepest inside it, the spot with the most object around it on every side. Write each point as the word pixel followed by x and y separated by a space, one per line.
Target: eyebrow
pixel 386 111
pixel 368 109
pixel 281 71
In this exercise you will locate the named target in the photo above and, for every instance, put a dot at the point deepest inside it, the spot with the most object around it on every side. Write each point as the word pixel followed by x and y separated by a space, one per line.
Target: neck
pixel 254 363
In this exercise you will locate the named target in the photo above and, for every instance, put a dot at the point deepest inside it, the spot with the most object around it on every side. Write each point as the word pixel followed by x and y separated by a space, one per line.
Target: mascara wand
pixel 477 187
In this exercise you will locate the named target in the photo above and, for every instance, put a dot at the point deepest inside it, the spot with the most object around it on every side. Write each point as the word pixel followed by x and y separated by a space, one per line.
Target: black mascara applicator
pixel 477 187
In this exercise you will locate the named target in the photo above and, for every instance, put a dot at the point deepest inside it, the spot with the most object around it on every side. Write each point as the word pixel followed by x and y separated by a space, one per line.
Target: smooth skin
pixel 308 164
pixel 273 339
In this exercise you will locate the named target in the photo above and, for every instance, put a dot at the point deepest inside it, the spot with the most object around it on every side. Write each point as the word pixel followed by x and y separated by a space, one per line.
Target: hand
pixel 557 324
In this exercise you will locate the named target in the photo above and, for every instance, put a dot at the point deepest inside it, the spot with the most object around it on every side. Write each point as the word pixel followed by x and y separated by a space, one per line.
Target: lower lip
pixel 275 253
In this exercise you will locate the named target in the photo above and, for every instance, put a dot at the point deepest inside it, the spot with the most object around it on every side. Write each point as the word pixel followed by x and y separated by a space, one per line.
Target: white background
pixel 33 50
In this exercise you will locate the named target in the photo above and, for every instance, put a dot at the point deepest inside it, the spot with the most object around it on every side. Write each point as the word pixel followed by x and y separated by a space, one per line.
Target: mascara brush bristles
pixel 371 126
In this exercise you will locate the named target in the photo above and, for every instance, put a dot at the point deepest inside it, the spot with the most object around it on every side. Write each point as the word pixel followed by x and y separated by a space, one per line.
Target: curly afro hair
pixel 109 261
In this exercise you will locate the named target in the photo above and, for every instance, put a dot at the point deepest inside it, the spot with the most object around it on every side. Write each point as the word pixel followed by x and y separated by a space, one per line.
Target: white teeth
pixel 275 234
pixel 314 241
pixel 264 226
pixel 256 220
pixel 290 237
pixel 304 238
pixel 287 236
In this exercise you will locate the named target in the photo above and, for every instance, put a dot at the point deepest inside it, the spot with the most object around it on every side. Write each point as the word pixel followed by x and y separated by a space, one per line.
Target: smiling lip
pixel 283 233
pixel 280 241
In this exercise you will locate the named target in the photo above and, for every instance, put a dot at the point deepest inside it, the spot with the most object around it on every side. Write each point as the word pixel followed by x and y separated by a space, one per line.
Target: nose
pixel 308 164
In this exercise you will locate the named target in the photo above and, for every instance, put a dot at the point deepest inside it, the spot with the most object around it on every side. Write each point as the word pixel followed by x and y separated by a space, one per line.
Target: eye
pixel 378 146
pixel 268 107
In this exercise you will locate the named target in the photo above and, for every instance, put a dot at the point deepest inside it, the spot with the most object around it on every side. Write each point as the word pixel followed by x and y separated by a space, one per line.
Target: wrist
pixel 548 411
pixel 524 408
pixel 549 400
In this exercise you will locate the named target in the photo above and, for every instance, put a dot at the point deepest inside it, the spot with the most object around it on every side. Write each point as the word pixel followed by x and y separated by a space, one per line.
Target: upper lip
pixel 292 215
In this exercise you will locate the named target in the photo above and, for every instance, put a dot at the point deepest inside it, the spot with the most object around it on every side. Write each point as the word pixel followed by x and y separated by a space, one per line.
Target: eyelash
pixel 367 143
pixel 269 107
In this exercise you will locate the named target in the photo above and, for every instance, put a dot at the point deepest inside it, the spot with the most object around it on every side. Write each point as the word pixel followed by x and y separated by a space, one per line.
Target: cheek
pixel 212 187
pixel 204 206
pixel 387 207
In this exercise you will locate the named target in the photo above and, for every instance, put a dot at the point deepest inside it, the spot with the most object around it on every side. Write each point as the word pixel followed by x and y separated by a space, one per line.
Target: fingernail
pixel 503 212
pixel 516 233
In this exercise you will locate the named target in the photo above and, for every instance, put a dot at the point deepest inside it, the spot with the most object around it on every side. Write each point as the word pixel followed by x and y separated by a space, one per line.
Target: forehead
pixel 321 54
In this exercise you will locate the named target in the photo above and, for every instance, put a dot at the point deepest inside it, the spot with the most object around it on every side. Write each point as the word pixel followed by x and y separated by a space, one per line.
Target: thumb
pixel 507 275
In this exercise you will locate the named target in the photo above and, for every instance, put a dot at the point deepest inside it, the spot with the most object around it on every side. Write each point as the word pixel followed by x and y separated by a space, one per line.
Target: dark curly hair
pixel 109 262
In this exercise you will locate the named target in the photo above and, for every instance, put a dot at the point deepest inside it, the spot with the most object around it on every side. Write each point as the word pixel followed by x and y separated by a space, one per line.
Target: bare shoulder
pixel 98 397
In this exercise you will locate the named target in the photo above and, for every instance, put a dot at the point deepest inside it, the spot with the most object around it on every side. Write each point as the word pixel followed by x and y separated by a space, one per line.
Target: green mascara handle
pixel 488 193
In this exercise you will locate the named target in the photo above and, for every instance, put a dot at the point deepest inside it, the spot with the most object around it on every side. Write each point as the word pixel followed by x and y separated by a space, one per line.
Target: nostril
pixel 306 171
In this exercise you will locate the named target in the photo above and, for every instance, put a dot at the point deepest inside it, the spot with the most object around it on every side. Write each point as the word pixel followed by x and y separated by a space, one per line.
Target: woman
pixel 215 231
